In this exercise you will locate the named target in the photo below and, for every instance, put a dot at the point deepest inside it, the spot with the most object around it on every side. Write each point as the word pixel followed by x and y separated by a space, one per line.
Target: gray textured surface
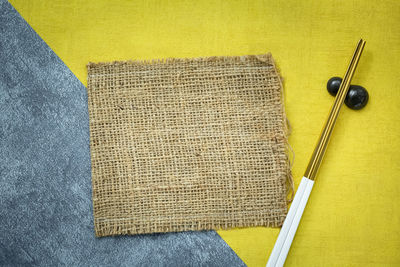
pixel 45 187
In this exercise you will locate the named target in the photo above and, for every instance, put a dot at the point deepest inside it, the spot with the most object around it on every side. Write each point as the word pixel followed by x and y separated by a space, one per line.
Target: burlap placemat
pixel 187 144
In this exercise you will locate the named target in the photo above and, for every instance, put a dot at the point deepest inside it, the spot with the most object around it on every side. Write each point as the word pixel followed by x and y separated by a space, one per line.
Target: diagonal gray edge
pixel 45 183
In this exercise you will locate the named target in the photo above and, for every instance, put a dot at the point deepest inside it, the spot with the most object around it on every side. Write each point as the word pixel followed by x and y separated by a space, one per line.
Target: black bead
pixel 357 97
pixel 333 85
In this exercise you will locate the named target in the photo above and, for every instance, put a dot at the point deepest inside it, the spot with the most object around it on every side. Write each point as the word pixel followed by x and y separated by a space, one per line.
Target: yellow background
pixel 353 217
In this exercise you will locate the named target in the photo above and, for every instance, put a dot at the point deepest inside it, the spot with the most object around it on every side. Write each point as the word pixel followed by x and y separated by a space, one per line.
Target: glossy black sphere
pixel 357 97
pixel 333 85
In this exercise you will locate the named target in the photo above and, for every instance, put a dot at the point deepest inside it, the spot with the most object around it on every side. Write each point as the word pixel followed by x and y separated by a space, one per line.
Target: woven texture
pixel 187 144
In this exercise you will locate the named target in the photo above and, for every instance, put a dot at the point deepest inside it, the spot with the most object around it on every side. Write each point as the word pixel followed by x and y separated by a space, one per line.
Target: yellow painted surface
pixel 353 218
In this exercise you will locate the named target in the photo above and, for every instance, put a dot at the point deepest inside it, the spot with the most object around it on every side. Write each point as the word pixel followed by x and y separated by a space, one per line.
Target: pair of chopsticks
pixel 286 235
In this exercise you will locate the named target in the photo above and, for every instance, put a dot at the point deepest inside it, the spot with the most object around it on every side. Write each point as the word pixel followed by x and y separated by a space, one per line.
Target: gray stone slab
pixel 45 183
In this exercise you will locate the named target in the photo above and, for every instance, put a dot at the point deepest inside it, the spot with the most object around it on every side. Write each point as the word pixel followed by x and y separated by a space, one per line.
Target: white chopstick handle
pixel 289 227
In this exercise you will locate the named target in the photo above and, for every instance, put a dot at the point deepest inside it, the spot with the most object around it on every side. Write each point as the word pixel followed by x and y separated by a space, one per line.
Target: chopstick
pixel 289 227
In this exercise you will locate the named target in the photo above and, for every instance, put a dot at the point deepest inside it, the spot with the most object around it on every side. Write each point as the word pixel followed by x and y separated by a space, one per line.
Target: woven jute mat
pixel 187 144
